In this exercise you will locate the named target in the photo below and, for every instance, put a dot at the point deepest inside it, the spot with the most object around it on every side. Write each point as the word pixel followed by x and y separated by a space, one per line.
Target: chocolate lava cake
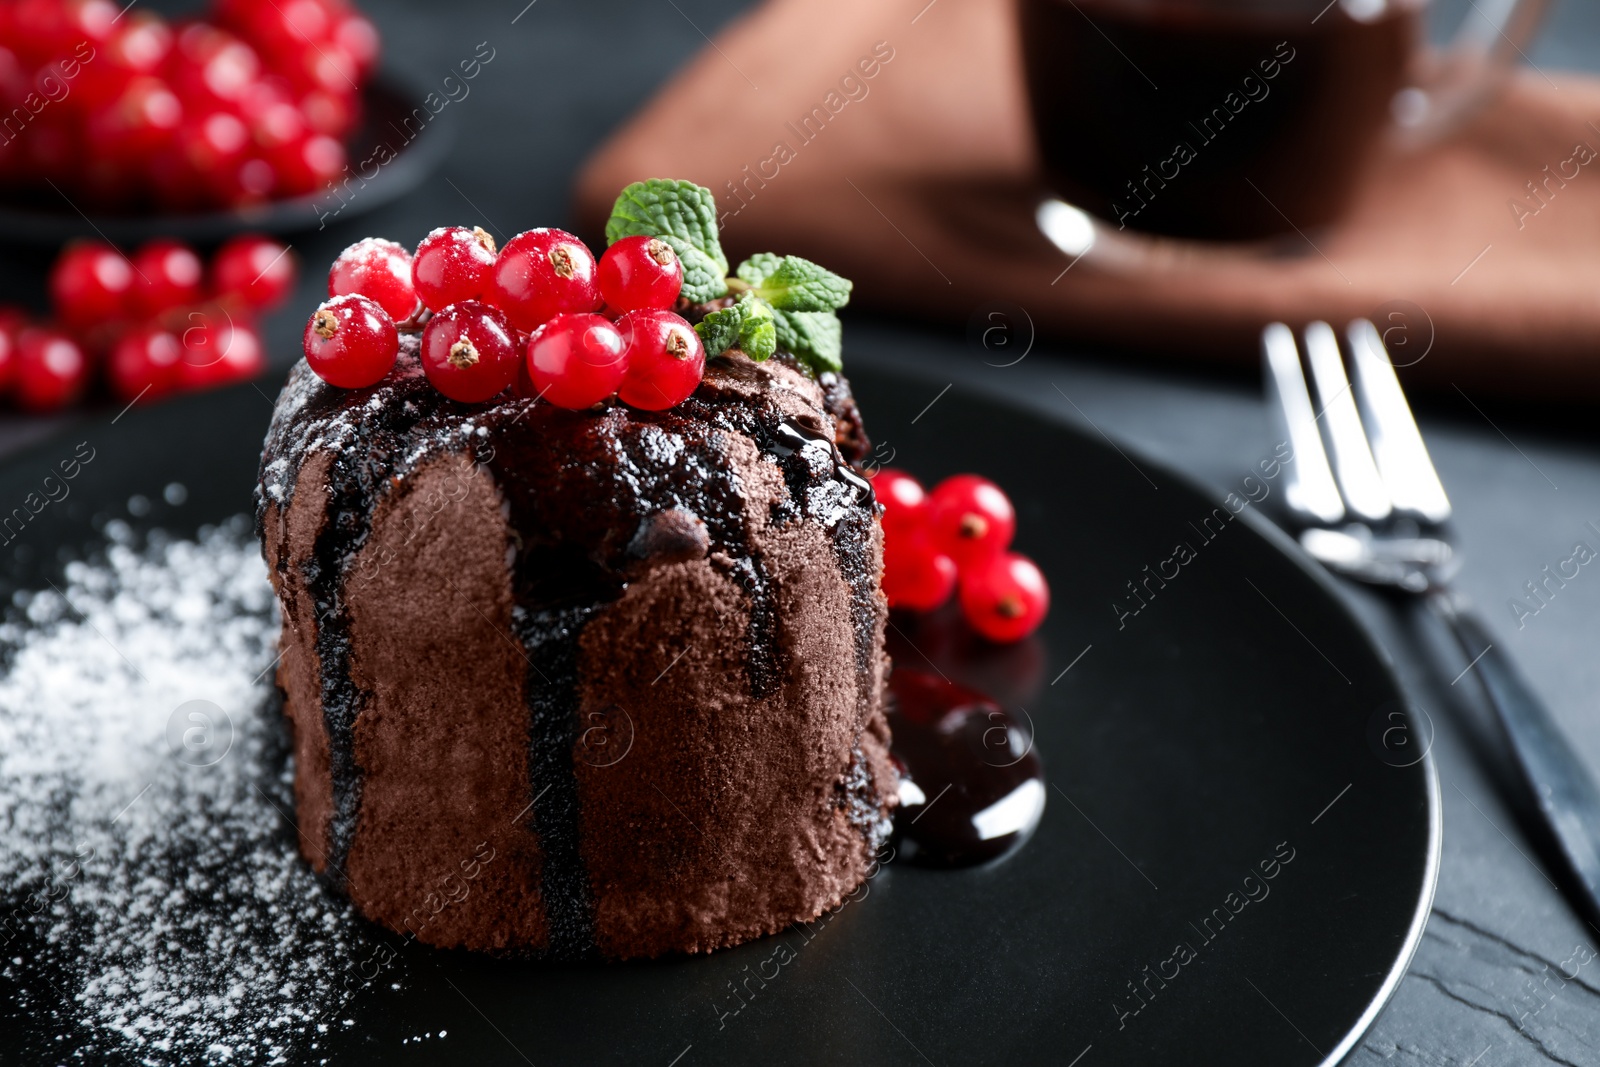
pixel 581 683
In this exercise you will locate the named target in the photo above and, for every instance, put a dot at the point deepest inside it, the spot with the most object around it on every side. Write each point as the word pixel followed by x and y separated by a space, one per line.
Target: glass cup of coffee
pixel 1239 119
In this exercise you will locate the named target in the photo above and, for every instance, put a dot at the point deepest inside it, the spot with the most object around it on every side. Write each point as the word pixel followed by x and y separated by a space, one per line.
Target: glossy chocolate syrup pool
pixel 972 788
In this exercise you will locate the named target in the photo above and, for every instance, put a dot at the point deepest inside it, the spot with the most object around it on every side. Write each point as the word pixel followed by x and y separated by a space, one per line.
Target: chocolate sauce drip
pixel 551 640
pixel 972 788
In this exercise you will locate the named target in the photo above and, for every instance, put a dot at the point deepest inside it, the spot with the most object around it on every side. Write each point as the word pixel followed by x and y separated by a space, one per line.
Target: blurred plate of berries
pixel 246 116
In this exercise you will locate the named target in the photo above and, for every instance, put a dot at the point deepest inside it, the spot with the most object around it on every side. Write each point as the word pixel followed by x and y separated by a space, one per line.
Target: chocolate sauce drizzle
pixel 579 485
pixel 972 787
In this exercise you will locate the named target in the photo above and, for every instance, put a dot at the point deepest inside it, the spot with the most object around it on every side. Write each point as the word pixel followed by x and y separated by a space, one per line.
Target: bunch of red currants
pixel 540 316
pixel 957 537
pixel 118 108
pixel 151 324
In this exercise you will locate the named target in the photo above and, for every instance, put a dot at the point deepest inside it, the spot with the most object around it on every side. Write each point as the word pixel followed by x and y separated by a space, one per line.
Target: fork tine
pixel 1403 461
pixel 1308 482
pixel 1353 466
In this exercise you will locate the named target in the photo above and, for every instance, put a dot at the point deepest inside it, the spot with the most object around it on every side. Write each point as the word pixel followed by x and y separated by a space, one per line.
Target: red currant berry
pixel 91 283
pixel 377 269
pixel 166 275
pixel 358 36
pixel 1004 598
pixel 219 353
pixel 916 576
pixel 51 370
pixel 351 342
pixel 543 273
pixel 307 164
pixel 665 359
pixel 576 361
pixel 145 362
pixel 905 503
pixel 640 272
pixel 255 270
pixel 8 357
pixel 452 264
pixel 469 352
pixel 970 519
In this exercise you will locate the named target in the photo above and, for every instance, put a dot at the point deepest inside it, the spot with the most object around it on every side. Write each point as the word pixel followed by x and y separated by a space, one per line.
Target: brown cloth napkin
pixel 921 186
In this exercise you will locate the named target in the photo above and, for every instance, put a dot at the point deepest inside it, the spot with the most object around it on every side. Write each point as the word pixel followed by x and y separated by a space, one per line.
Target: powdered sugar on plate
pixel 154 905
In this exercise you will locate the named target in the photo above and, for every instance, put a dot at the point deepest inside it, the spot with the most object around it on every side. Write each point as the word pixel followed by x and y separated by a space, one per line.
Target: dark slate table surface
pixel 1486 987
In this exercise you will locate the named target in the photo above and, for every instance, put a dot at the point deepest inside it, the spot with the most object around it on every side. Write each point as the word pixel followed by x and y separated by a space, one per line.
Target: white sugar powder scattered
pixel 153 902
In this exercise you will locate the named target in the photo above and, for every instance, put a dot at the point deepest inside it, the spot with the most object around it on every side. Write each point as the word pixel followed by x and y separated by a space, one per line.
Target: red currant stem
pixel 484 238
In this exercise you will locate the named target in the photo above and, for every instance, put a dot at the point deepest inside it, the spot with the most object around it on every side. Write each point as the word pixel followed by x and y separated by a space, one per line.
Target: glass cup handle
pixel 1451 84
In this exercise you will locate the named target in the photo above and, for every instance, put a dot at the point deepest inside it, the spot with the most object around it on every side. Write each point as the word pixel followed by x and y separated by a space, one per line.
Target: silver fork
pixel 1379 514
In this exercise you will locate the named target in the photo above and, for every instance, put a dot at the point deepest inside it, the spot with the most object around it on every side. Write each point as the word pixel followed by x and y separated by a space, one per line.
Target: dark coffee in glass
pixel 1211 118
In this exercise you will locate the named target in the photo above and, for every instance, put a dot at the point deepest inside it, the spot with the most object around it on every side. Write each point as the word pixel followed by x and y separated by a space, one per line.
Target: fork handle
pixel 1561 785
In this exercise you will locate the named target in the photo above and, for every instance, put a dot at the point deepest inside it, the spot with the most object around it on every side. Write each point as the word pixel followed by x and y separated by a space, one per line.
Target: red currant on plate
pixel 51 370
pixel 640 272
pixel 351 341
pixel 452 264
pixel 8 356
pixel 1005 598
pixel 916 576
pixel 469 351
pixel 543 273
pixel 90 283
pixel 905 503
pixel 219 352
pixel 576 361
pixel 970 519
pixel 377 269
pixel 144 359
pixel 665 359
pixel 166 275
pixel 256 270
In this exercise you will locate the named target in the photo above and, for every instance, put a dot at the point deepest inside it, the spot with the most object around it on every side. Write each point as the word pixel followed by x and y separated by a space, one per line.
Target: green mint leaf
pixel 684 215
pixel 758 336
pixel 719 331
pixel 815 337
pixel 795 284
pixel 755 269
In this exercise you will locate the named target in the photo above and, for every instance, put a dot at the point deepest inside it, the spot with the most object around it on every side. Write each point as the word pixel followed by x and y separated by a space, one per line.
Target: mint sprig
pixel 684 215
pixel 784 301
pixel 794 284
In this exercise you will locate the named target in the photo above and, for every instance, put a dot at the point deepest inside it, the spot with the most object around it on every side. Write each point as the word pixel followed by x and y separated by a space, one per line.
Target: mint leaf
pixel 758 337
pixel 755 269
pixel 684 215
pixel 719 331
pixel 815 337
pixel 794 284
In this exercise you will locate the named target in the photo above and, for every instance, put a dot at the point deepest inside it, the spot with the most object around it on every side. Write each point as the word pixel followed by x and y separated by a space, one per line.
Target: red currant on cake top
pixel 640 272
pixel 970 518
pixel 916 576
pixel 351 341
pixel 1005 598
pixel 378 269
pixel 543 273
pixel 167 274
pixel 576 361
pixel 255 270
pixel 665 359
pixel 905 502
pixel 51 370
pixel 452 264
pixel 90 283
pixel 469 352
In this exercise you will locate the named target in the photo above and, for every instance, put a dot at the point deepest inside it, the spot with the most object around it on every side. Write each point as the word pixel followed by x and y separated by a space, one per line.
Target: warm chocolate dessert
pixel 581 682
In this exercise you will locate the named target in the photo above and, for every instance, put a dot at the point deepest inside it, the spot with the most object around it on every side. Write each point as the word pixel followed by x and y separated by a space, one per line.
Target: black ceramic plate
pixel 1236 860
pixel 49 220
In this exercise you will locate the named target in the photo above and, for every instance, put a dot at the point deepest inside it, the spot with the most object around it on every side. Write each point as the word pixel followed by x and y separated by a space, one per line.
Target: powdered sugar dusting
pixel 153 900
